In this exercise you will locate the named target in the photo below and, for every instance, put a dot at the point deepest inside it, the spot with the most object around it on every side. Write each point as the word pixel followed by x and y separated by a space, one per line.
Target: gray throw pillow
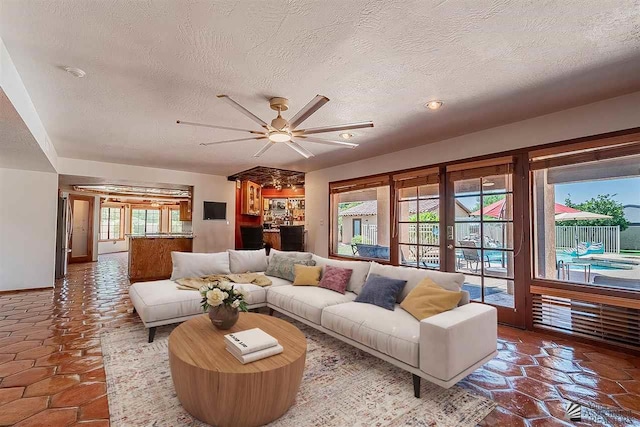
pixel 381 291
pixel 282 266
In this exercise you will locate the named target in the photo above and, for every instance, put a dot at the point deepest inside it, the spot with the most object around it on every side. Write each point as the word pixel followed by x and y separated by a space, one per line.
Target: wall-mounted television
pixel 215 210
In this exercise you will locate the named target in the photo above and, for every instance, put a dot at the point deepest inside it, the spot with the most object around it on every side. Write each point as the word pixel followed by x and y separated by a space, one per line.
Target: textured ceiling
pixel 18 147
pixel 150 63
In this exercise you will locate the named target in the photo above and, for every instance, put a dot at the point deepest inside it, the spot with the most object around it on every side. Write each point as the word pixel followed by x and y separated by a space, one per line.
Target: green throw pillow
pixel 282 266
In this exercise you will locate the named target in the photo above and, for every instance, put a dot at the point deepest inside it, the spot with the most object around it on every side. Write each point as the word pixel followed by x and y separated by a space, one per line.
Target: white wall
pixel 209 236
pixel 27 229
pixel 600 117
pixel 15 90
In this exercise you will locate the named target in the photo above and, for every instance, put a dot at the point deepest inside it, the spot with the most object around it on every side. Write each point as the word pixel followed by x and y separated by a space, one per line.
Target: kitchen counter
pixel 150 255
pixel 161 236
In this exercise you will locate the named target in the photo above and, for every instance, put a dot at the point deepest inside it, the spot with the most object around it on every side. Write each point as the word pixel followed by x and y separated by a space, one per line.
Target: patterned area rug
pixel 342 386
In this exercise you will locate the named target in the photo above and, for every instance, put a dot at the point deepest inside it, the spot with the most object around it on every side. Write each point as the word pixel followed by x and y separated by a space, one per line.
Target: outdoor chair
pixel 472 255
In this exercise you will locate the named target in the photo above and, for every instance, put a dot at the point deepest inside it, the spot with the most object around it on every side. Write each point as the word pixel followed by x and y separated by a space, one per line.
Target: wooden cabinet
pixel 251 198
pixel 185 210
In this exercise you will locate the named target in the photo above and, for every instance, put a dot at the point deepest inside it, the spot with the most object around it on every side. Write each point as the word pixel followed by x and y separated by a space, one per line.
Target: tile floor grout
pixel 52 373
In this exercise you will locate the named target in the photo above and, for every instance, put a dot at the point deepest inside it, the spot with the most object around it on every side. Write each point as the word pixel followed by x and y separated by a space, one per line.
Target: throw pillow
pixel 247 261
pixel 282 266
pixel 306 275
pixel 335 278
pixel 381 291
pixel 189 264
pixel 428 299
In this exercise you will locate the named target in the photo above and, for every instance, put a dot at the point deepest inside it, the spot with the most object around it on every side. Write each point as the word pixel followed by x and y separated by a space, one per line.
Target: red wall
pixel 269 193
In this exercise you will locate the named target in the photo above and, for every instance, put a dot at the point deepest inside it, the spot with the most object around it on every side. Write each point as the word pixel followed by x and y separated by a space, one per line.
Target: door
pixel 357 227
pixel 81 229
pixel 483 220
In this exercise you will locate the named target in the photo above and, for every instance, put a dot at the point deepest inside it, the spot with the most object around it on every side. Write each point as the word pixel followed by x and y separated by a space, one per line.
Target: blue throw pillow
pixel 381 291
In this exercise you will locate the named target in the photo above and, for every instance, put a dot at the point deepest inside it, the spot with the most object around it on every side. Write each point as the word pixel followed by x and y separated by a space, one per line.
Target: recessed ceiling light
pixel 75 72
pixel 346 135
pixel 434 105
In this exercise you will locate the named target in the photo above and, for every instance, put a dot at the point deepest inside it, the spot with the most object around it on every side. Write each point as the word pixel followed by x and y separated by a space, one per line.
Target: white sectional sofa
pixel 443 348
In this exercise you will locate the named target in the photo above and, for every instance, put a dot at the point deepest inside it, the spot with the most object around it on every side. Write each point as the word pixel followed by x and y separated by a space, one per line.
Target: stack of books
pixel 251 345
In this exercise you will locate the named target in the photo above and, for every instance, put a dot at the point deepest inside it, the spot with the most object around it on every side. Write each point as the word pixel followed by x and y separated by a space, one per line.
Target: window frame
pixel 146 209
pixel 121 227
pixel 171 210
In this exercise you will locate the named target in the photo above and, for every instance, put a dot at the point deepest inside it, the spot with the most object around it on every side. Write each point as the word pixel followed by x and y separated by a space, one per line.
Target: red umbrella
pixel 496 210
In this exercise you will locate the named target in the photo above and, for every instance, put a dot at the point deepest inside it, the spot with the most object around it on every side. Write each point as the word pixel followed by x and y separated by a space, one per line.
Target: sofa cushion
pixel 277 281
pixel 359 275
pixel 306 275
pixel 381 291
pixel 306 301
pixel 189 264
pixel 247 261
pixel 394 333
pixel 162 300
pixel 413 276
pixel 428 299
pixel 294 254
pixel 335 278
pixel 282 266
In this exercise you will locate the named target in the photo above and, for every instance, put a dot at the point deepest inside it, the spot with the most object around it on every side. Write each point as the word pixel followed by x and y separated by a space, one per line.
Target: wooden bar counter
pixel 150 255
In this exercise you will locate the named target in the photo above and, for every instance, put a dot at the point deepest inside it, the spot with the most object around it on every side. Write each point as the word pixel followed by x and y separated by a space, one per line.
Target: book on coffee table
pixel 249 341
pixel 256 355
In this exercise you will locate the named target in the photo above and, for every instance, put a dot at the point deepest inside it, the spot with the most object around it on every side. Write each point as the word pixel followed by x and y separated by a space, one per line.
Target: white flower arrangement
pixel 218 293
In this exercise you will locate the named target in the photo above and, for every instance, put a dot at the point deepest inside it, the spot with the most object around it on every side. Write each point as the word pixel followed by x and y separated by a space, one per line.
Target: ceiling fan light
pixel 434 105
pixel 279 136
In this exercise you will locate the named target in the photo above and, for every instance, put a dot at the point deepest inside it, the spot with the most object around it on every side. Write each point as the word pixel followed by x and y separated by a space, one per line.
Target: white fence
pixel 608 235
pixel 370 234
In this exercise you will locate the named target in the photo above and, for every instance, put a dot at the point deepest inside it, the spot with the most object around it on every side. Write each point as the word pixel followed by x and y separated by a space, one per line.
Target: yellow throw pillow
pixel 428 299
pixel 306 275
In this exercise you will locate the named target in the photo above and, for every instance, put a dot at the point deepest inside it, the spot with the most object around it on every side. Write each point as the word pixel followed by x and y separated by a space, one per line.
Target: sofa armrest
pixel 455 340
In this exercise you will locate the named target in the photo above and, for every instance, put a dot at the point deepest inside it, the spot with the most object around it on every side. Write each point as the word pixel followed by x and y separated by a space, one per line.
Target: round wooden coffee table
pixel 216 388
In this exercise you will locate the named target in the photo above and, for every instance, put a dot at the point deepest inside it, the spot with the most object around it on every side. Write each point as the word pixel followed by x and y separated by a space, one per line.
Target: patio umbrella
pixel 579 216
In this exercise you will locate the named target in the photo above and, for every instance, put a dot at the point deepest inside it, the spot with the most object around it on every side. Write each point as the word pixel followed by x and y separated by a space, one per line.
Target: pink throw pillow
pixel 335 278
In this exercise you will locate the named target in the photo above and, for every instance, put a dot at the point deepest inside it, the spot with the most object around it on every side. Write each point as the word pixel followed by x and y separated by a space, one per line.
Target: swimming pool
pixel 561 255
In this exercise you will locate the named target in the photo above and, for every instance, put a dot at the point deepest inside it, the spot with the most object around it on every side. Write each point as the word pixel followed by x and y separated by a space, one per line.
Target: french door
pixel 484 235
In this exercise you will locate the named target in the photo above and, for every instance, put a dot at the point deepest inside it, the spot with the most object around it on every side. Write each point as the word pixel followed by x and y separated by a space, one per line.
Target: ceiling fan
pixel 285 131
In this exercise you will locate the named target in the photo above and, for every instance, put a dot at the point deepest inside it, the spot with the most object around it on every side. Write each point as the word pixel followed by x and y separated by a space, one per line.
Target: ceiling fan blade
pixel 327 142
pixel 180 122
pixel 302 115
pixel 299 149
pixel 243 110
pixel 263 149
pixel 232 140
pixel 335 128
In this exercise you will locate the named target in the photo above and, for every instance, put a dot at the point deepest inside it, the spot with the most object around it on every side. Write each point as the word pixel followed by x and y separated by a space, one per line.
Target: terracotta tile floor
pixel 51 371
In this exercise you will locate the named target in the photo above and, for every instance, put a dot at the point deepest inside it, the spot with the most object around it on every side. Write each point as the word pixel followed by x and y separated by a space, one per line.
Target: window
pixel 360 218
pixel 587 217
pixel 175 225
pixel 110 223
pixel 418 210
pixel 145 221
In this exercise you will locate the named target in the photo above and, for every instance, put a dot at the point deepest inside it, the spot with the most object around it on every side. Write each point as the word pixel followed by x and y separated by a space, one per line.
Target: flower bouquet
pixel 223 302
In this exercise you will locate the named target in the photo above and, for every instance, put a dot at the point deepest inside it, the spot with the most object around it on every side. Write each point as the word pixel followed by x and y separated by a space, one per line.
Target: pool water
pixel 496 256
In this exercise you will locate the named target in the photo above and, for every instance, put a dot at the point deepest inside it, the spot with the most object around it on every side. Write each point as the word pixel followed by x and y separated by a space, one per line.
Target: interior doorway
pixel 81 228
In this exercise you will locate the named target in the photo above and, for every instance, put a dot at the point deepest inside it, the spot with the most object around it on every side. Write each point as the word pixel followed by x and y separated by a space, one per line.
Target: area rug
pixel 342 386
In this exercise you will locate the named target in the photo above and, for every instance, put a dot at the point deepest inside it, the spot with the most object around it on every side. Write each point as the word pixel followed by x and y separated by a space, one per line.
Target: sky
pixel 627 190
